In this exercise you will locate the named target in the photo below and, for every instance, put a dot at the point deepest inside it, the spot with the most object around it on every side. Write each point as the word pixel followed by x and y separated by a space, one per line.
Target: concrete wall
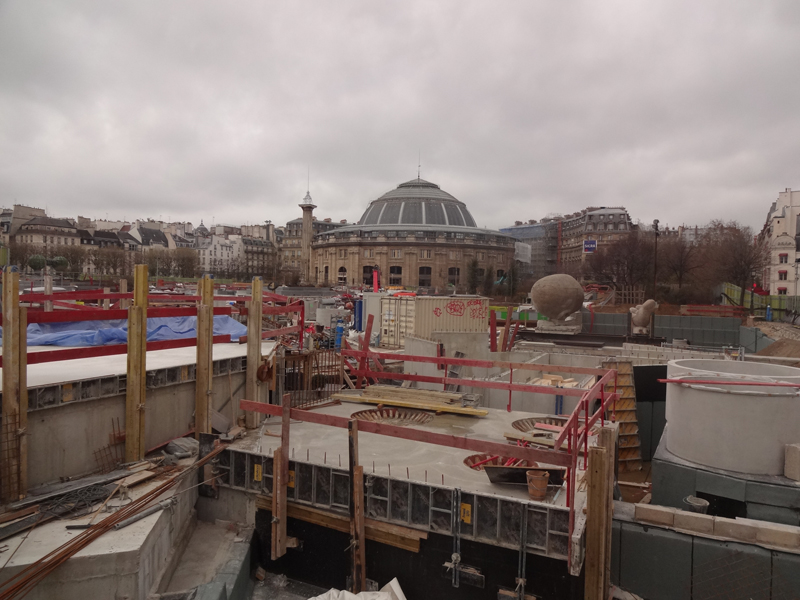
pixel 110 567
pixel 64 437
pixel 662 564
pixel 700 331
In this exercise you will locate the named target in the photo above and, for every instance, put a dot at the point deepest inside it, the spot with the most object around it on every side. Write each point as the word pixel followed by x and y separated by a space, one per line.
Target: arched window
pixel 342 276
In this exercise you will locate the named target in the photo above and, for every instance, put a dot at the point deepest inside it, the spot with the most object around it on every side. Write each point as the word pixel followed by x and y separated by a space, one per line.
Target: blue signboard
pixel 589 246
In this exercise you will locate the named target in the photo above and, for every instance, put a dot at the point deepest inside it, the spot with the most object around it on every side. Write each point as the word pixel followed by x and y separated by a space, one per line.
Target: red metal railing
pixel 79 312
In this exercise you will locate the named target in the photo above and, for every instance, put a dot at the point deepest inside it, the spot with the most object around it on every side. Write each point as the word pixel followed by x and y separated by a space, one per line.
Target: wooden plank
pixel 359 539
pixel 23 402
pixel 254 313
pixel 596 517
pixel 48 290
pixel 137 368
pixel 134 386
pixel 137 478
pixel 459 410
pixel 283 468
pixel 205 349
pixel 560 459
pixel 607 439
pixel 11 383
pixel 278 506
pixel 18 514
pixel 398 536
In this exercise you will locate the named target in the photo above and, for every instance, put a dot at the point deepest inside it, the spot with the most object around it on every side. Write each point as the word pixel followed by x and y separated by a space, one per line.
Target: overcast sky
pixel 189 110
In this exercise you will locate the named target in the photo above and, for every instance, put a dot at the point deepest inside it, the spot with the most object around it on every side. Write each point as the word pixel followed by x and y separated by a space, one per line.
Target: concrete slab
pixel 206 552
pixel 119 564
pixel 323 445
pixel 107 366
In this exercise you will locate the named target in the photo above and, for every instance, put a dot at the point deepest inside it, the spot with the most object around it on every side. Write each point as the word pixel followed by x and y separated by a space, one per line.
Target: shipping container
pixel 396 320
pixel 425 315
pixel 372 306
pixel 453 314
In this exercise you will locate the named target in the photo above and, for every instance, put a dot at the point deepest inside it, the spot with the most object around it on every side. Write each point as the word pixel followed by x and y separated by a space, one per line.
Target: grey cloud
pixel 199 109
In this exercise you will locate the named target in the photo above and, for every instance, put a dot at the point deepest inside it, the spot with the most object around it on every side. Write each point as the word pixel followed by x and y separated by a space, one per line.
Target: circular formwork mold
pixel 528 425
pixel 394 416
pixel 477 461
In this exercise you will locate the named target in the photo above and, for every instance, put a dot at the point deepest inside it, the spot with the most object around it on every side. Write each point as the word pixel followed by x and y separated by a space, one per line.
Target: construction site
pixel 196 445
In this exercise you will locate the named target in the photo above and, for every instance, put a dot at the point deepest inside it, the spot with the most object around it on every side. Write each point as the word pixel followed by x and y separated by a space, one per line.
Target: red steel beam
pixel 416 435
pixel 471 362
pixel 99 314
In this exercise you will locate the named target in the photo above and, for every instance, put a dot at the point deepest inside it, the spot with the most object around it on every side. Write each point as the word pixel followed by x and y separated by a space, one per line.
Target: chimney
pixel 517 223
pixel 343 221
pixel 532 222
pixel 328 220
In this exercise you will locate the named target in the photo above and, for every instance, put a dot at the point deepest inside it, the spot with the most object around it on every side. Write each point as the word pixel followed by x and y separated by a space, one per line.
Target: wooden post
pixel 22 430
pixel 137 368
pixel 596 525
pixel 106 301
pixel 205 349
pixel 357 539
pixel 280 472
pixel 254 313
pixel 10 463
pixel 608 441
pixel 48 289
pixel 492 330
pixel 124 303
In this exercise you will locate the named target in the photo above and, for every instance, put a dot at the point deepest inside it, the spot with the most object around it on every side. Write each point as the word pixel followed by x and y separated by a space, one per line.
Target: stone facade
pixel 417 236
pixel 782 234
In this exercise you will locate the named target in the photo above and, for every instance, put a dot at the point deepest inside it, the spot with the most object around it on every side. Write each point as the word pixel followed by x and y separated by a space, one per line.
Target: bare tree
pixel 186 261
pixel 680 258
pixel 20 253
pixel 734 254
pixel 627 262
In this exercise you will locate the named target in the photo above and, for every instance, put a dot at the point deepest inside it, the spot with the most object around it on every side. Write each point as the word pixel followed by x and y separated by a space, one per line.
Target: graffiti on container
pixel 437 311
pixel 456 308
pixel 477 310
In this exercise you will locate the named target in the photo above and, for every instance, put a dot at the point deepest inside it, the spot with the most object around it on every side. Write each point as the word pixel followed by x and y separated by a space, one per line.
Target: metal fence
pixel 311 378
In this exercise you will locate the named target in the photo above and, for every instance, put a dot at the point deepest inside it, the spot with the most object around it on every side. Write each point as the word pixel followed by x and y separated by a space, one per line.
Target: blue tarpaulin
pixel 101 333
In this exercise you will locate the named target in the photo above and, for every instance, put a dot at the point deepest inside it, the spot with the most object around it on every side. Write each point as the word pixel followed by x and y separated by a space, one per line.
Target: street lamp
pixel 655 257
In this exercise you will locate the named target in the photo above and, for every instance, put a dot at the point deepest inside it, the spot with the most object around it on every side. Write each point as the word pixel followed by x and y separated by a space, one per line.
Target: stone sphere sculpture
pixel 557 296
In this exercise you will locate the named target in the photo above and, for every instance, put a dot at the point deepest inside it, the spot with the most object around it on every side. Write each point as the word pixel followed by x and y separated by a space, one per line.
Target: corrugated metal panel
pixel 453 314
pixel 397 320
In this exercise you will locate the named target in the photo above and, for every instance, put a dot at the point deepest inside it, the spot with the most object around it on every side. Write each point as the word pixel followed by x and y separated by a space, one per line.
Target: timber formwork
pixel 630 451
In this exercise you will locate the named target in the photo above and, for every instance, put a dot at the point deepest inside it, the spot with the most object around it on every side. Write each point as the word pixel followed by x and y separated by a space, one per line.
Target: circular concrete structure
pixel 703 367
pixel 741 428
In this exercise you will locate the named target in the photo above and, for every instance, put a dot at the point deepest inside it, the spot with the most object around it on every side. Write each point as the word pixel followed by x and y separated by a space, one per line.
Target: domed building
pixel 417 236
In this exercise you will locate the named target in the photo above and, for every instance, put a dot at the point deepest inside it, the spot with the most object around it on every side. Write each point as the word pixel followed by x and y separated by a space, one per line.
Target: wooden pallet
pixel 630 452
